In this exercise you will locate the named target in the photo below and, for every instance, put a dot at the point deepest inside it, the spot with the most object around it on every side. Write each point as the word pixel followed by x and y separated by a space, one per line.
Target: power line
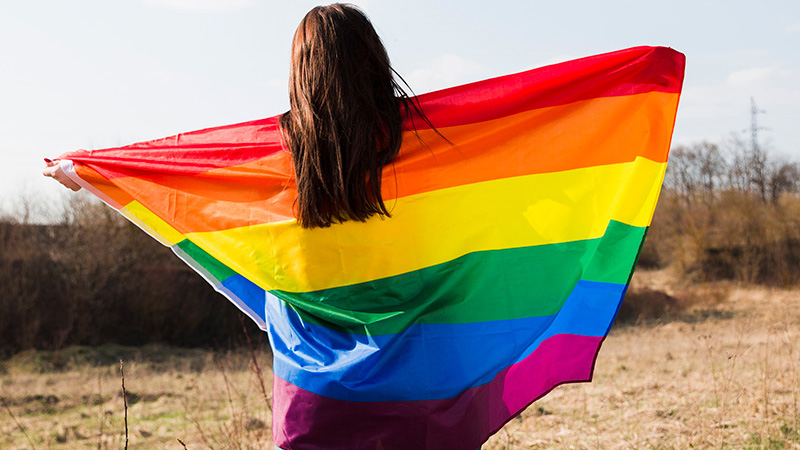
pixel 754 112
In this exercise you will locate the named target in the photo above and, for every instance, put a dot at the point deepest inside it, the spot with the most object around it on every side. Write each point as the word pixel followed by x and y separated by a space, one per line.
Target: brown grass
pixel 204 399
pixel 722 372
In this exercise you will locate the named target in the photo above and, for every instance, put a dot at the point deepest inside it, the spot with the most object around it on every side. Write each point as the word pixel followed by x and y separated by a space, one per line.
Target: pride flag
pixel 496 279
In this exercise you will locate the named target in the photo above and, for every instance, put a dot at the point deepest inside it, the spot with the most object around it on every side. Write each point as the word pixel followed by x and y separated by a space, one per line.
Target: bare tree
pixel 784 177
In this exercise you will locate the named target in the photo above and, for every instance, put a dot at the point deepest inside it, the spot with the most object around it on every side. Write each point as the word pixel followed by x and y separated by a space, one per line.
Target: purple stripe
pixel 303 420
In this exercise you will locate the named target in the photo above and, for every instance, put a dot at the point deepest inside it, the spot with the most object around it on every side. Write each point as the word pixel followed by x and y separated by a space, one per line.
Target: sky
pixel 89 74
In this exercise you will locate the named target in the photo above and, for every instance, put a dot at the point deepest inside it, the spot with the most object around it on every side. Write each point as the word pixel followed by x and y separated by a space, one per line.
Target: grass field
pixel 721 371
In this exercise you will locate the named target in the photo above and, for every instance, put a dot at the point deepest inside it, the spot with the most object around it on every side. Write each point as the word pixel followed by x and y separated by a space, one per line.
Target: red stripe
pixel 633 71
pixel 304 420
pixel 188 153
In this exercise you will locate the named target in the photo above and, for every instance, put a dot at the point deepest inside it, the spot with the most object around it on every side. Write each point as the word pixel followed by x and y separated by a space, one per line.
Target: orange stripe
pixel 583 134
pixel 102 184
pixel 260 191
pixel 590 133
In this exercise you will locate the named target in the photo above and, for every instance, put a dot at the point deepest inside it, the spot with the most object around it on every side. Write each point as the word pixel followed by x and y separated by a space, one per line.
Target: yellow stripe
pixel 151 223
pixel 438 226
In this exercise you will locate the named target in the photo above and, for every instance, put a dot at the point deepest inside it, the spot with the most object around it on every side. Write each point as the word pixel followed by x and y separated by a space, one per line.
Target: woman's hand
pixel 53 170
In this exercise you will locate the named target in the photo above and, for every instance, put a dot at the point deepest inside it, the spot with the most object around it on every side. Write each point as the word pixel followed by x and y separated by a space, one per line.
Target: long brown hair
pixel 346 116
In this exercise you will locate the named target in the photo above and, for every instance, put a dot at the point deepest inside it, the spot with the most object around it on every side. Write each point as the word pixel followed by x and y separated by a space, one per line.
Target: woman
pixel 495 279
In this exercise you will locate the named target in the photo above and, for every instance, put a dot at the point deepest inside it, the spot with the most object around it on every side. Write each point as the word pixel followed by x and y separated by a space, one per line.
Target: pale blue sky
pixel 100 73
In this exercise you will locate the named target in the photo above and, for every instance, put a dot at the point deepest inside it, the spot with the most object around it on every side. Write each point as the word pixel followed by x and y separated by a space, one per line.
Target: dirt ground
pixel 724 372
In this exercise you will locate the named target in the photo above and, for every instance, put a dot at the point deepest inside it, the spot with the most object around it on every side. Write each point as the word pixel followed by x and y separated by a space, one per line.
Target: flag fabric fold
pixel 508 252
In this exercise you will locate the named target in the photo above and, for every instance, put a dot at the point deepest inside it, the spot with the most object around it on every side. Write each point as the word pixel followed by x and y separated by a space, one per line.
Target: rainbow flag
pixel 496 279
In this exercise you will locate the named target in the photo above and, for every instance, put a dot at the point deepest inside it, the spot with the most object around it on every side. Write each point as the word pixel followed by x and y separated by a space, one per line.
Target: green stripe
pixel 616 255
pixel 463 290
pixel 475 287
pixel 210 264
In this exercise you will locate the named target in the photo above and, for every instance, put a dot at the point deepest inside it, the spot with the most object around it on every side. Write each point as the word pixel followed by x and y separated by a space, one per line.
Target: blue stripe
pixel 248 294
pixel 426 361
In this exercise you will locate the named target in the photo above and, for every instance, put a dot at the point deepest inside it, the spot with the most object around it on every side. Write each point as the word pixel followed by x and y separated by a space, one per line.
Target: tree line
pixel 728 211
pixel 94 277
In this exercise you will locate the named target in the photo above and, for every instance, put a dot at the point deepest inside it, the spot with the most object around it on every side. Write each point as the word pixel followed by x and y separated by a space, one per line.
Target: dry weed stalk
pixel 723 379
pixel 234 432
pixel 102 416
pixel 197 425
pixel 16 422
pixel 766 375
pixel 794 380
pixel 124 399
pixel 256 367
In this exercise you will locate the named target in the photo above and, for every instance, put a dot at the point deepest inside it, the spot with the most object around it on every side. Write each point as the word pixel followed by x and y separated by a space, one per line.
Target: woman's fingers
pixel 49 171
pixel 53 170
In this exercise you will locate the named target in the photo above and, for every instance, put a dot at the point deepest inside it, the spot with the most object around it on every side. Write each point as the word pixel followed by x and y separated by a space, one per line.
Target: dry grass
pixel 205 400
pixel 722 372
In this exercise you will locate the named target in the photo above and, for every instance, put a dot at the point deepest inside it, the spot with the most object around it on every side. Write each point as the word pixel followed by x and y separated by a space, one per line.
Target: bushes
pixel 95 278
pixel 717 221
